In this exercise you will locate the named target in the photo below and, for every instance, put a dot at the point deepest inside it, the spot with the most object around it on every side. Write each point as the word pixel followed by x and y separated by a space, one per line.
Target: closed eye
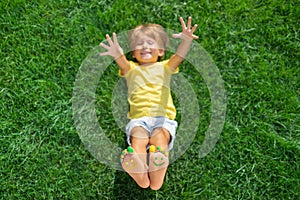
pixel 150 42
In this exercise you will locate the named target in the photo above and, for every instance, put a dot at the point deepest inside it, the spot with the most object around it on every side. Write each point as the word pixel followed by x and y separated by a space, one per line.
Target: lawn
pixel 254 44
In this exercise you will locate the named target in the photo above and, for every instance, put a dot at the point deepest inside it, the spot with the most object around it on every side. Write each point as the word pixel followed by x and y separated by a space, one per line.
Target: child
pixel 152 113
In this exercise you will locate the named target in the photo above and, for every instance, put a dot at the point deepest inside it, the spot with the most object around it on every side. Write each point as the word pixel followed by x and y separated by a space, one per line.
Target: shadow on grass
pixel 126 188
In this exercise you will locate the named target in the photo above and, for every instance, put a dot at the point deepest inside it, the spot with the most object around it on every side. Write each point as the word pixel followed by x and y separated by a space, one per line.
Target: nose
pixel 145 45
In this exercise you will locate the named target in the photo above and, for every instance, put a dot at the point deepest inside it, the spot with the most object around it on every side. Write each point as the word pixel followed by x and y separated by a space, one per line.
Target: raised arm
pixel 187 37
pixel 114 50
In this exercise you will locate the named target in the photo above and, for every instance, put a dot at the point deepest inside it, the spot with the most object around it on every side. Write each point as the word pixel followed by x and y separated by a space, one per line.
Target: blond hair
pixel 154 31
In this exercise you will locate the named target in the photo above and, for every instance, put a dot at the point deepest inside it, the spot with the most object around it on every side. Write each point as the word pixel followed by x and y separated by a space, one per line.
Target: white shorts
pixel 151 123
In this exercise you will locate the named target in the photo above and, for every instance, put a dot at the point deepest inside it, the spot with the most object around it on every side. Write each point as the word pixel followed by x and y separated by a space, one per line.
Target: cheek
pixel 138 47
pixel 135 53
pixel 155 51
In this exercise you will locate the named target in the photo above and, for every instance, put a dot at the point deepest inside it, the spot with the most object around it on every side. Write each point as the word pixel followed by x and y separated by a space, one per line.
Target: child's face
pixel 147 50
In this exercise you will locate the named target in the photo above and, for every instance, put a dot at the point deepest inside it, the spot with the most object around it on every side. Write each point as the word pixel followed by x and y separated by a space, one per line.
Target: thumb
pixel 178 35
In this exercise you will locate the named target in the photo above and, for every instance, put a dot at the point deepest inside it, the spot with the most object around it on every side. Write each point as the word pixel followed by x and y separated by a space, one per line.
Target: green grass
pixel 255 45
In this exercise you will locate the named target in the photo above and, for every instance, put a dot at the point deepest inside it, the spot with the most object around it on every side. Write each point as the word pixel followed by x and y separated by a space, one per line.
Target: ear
pixel 161 52
pixel 133 54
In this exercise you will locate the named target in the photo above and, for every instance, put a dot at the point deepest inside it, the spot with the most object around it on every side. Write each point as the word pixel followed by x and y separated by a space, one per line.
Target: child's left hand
pixel 187 31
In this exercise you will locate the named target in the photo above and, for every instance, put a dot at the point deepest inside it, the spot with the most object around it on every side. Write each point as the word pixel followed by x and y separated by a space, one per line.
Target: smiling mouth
pixel 158 164
pixel 146 53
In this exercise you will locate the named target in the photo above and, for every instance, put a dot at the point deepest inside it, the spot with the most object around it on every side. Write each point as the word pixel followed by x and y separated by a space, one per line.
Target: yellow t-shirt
pixel 149 90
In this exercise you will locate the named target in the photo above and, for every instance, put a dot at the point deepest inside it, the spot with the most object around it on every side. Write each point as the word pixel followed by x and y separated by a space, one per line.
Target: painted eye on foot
pixel 130 165
pixel 158 161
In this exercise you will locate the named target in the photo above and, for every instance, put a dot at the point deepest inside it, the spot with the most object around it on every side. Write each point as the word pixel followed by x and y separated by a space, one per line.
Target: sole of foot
pixel 158 164
pixel 132 163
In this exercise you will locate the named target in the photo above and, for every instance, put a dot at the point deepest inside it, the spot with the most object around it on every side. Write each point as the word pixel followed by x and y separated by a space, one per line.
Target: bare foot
pixel 135 167
pixel 158 164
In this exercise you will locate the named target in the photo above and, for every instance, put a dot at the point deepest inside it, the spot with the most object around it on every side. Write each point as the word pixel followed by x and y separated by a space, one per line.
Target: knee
pixel 139 136
pixel 160 136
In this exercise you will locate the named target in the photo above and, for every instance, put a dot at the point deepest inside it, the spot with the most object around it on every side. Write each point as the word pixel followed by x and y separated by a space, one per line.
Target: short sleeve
pixel 166 65
pixel 132 65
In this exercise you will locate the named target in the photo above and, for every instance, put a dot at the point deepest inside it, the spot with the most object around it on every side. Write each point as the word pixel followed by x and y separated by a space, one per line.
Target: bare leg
pixel 158 161
pixel 135 164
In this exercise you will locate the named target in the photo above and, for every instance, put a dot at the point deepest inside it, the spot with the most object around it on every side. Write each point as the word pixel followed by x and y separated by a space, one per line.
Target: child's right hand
pixel 113 49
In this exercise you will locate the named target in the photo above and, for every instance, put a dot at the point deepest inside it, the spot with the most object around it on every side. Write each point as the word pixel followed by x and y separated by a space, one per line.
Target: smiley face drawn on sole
pixel 128 162
pixel 156 161
pixel 131 165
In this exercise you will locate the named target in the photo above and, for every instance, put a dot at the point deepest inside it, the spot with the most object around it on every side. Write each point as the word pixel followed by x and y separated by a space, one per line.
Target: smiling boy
pixel 152 113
